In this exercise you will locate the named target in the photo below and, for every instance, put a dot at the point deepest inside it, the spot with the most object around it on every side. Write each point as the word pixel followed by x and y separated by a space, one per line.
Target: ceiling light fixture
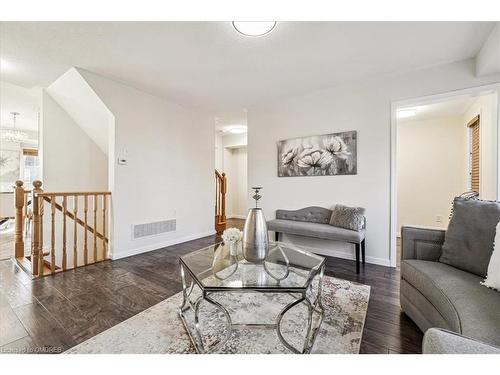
pixel 254 28
pixel 235 129
pixel 405 113
pixel 13 135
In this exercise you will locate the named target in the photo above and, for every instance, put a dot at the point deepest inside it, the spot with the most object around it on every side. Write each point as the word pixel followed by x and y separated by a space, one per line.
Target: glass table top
pixel 287 266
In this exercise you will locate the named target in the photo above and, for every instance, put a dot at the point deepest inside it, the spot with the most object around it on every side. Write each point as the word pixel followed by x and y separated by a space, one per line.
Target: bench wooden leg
pixel 358 246
pixel 276 236
pixel 363 251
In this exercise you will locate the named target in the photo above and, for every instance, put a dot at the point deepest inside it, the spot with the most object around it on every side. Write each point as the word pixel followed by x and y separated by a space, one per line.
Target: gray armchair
pixel 435 294
pixel 421 243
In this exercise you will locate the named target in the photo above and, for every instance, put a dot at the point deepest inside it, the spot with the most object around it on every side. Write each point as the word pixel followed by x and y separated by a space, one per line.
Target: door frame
pixel 422 100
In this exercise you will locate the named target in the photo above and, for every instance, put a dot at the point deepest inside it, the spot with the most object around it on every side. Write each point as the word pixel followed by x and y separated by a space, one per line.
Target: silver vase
pixel 255 239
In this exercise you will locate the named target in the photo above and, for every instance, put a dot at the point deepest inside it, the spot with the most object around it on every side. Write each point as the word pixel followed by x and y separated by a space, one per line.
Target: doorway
pixel 19 155
pixel 442 146
pixel 231 162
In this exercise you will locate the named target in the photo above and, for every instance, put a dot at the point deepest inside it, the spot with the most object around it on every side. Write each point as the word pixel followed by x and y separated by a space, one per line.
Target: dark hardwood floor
pixel 54 313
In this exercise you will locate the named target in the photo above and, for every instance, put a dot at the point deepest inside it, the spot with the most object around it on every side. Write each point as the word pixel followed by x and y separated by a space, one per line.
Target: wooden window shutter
pixel 30 152
pixel 475 144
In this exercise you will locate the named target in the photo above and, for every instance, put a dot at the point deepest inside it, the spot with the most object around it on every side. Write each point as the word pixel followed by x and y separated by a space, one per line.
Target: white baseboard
pixel 160 245
pixel 236 217
pixel 351 256
pixel 327 252
pixel 338 249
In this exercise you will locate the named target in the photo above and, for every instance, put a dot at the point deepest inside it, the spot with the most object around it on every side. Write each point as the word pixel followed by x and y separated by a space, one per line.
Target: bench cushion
pixel 471 309
pixel 324 231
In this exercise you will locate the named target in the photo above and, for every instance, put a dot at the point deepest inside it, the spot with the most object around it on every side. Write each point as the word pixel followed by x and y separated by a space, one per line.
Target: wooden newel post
pixel 19 203
pixel 36 249
pixel 223 198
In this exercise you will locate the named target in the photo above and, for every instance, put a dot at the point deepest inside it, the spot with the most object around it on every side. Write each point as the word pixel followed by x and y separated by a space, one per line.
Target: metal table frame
pixel 299 293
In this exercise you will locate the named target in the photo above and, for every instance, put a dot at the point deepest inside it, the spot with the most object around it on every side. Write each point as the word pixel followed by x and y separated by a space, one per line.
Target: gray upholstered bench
pixel 314 222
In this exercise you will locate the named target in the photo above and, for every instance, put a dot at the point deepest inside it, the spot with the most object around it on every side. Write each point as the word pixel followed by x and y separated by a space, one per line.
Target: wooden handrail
pixel 69 214
pixel 70 194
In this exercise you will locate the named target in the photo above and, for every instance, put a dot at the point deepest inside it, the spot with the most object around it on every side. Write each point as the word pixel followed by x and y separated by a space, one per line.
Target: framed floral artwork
pixel 318 155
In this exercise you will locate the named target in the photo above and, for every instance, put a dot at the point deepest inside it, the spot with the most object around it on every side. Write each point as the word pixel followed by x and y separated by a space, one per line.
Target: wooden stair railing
pixel 48 198
pixel 220 201
pixel 67 244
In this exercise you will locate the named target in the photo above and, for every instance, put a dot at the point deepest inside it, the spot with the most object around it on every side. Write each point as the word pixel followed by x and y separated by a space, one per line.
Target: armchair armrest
pixel 421 243
pixel 440 341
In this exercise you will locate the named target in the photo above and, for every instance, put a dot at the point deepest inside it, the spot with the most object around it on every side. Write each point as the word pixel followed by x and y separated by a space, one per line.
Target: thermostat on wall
pixel 122 161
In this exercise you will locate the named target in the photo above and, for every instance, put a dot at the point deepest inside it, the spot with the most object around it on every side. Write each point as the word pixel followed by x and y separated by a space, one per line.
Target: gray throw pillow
pixel 468 241
pixel 348 217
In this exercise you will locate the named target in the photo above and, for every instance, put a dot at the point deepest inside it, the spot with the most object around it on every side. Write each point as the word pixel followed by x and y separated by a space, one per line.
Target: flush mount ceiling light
pixel 254 28
pixel 235 129
pixel 405 113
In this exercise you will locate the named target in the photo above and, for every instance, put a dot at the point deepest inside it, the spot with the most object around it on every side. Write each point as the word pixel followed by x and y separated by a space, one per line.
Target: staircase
pixel 220 201
pixel 58 231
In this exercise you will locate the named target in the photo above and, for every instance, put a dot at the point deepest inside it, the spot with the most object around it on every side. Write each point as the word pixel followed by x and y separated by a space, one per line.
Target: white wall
pixel 170 170
pixel 235 163
pixel 486 107
pixel 364 106
pixel 235 140
pixel 71 160
pixel 431 169
pixel 219 152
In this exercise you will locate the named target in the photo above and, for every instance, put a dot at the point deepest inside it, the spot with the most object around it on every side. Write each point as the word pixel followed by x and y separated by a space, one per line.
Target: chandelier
pixel 13 135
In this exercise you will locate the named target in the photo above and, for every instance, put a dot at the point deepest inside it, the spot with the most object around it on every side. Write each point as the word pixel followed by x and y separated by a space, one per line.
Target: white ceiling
pixel 230 118
pixel 209 64
pixel 14 98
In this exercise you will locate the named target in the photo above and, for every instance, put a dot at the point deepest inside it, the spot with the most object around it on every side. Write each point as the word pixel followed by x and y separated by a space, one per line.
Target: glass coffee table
pixel 221 268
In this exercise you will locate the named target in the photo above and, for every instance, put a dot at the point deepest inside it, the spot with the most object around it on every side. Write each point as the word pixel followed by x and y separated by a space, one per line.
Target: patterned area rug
pixel 159 329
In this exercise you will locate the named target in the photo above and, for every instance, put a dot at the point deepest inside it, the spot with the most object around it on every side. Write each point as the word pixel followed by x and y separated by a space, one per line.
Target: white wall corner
pixel 488 57
pixel 72 92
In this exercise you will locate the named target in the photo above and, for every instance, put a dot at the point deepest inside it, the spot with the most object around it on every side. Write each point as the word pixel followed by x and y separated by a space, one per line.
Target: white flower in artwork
pixel 314 157
pixel 232 235
pixel 336 146
pixel 289 154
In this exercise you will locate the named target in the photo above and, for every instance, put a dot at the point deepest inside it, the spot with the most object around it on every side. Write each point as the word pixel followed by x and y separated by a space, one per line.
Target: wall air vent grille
pixel 153 229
